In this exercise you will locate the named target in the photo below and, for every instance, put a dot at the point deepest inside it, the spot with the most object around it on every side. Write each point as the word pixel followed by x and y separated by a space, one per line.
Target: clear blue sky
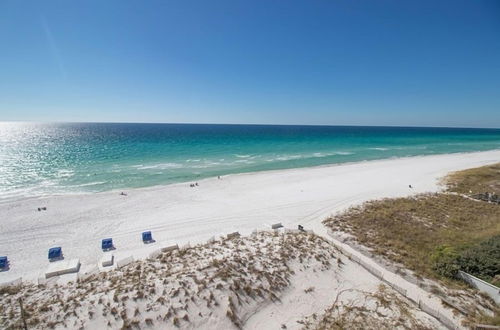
pixel 418 63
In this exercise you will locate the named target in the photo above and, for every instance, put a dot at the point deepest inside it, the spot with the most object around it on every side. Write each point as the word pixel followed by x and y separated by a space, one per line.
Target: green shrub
pixel 444 261
pixel 481 260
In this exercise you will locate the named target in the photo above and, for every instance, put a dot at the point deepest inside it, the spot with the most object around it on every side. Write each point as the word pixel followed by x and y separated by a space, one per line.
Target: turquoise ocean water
pixel 39 159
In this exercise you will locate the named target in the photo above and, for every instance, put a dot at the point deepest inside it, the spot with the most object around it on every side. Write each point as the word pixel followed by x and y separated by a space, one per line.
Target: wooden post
pixel 22 314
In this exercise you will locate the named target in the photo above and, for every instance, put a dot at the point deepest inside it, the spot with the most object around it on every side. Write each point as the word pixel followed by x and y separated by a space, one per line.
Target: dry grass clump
pixel 476 180
pixel 379 310
pixel 411 230
pixel 227 280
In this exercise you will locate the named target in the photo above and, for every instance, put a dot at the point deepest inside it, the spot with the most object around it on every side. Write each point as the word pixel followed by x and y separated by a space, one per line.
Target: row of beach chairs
pixel 106 245
pixel 55 253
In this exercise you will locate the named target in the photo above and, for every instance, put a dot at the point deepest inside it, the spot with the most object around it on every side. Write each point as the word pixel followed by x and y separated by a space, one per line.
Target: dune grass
pixel 434 235
pixel 382 309
pixel 221 280
pixel 476 180
pixel 412 231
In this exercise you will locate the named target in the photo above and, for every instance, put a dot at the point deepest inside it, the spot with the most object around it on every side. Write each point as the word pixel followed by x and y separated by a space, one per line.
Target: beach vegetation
pixel 382 309
pixel 475 180
pixel 423 233
pixel 481 260
pixel 435 235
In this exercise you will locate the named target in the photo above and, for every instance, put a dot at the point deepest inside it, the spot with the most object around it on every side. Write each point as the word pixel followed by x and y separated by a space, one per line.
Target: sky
pixel 329 62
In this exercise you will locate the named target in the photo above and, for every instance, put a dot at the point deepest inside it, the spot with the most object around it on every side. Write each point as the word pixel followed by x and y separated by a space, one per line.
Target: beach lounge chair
pixel 107 244
pixel 4 262
pixel 55 253
pixel 147 237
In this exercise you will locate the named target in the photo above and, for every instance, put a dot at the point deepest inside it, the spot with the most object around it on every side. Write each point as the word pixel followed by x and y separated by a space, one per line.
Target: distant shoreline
pixel 178 213
pixel 187 182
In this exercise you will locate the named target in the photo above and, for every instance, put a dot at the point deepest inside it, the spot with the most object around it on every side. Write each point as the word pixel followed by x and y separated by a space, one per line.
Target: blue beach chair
pixel 55 253
pixel 147 237
pixel 107 244
pixel 4 262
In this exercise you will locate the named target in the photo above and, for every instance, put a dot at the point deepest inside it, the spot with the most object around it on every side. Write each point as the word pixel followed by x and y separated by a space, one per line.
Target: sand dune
pixel 267 280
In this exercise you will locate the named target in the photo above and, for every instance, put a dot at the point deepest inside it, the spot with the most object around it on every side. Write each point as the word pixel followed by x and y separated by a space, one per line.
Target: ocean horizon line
pixel 244 124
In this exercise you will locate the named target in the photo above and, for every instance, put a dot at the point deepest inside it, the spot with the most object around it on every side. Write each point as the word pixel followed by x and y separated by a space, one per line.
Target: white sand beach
pixel 178 214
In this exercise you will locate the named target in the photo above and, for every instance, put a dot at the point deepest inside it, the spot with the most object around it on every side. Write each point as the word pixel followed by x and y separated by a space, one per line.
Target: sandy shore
pixel 180 214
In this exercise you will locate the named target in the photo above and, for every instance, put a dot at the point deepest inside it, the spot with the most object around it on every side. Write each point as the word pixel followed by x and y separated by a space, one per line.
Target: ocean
pixel 56 158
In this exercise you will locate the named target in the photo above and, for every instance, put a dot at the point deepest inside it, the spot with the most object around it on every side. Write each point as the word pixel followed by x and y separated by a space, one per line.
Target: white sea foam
pixel 96 183
pixel 64 173
pixel 207 164
pixel 289 157
pixel 163 166
pixel 244 161
pixel 305 156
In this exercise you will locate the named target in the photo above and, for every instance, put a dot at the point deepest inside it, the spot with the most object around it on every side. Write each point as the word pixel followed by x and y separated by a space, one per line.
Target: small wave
pixel 207 165
pixel 305 156
pixel 244 161
pixel 243 156
pixel 379 148
pixel 328 154
pixel 290 157
pixel 163 166
pixel 96 183
pixel 65 173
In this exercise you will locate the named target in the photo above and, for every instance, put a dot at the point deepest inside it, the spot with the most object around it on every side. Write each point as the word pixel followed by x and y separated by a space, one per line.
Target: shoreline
pixel 166 185
pixel 178 214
